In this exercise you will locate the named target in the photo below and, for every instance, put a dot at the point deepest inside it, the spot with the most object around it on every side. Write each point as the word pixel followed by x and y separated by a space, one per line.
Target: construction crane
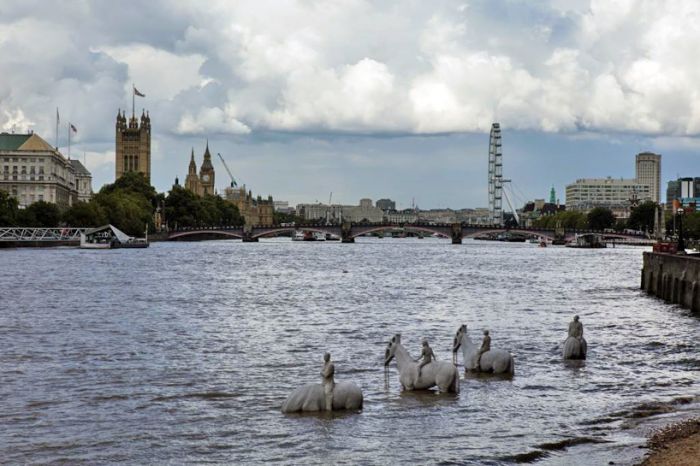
pixel 233 181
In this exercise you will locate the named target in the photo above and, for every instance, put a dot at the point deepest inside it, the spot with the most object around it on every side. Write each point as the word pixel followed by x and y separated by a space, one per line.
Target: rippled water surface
pixel 184 352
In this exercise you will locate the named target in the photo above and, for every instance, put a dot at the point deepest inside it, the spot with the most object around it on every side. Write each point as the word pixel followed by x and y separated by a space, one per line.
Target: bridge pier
pixel 248 234
pixel 346 233
pixel 456 233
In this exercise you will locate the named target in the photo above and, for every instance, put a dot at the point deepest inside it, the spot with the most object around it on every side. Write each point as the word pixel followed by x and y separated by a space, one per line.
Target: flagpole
pixel 56 128
pixel 133 100
pixel 69 140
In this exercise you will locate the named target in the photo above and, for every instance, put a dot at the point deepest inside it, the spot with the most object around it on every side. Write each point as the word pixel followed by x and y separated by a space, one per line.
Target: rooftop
pixel 23 142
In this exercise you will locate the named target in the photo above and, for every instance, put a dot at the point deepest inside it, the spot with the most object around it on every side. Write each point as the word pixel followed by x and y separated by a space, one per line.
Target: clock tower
pixel 206 173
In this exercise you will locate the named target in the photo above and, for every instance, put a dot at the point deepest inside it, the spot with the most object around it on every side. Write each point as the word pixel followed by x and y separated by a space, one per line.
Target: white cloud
pixel 358 66
pixel 158 73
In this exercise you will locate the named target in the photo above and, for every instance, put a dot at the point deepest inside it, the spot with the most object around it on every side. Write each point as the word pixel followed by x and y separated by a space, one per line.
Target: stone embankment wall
pixel 673 278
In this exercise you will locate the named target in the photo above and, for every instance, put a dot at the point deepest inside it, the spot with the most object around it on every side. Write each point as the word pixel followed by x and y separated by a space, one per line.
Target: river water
pixel 184 353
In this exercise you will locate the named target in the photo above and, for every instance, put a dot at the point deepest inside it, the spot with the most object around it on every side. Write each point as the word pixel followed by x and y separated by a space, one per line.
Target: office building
pixel 32 170
pixel 648 172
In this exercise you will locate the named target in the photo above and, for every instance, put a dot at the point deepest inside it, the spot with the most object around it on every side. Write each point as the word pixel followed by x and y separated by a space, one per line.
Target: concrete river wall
pixel 673 278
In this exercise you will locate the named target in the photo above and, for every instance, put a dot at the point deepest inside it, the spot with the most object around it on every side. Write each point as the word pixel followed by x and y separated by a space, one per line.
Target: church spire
pixel 193 166
pixel 207 155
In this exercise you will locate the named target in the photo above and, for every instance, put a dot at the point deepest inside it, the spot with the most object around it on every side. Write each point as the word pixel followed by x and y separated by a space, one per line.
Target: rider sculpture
pixel 426 356
pixel 327 380
pixel 485 346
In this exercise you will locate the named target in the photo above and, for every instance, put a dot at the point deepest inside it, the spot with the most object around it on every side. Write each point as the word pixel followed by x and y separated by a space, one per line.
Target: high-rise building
pixel 685 190
pixel 133 145
pixel 648 171
pixel 32 170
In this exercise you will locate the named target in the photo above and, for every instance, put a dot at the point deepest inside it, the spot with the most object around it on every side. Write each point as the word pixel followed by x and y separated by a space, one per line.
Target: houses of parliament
pixel 133 154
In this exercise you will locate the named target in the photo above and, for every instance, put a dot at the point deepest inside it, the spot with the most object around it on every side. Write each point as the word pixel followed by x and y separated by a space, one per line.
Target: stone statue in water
pixel 327 380
pixel 442 374
pixel 575 346
pixel 326 396
pixel 482 358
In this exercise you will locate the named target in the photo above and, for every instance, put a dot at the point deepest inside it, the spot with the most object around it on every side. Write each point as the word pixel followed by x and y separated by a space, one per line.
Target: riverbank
pixel 675 445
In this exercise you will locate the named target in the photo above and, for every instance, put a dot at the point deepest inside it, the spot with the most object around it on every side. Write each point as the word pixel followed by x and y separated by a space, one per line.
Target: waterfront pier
pixel 673 278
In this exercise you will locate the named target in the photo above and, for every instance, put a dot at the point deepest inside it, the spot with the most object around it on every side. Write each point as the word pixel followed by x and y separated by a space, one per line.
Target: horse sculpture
pixel 575 348
pixel 442 374
pixel 310 397
pixel 496 361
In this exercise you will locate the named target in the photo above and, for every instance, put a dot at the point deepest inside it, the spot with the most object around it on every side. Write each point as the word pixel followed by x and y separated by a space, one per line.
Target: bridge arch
pixel 277 231
pixel 189 234
pixel 359 230
pixel 539 234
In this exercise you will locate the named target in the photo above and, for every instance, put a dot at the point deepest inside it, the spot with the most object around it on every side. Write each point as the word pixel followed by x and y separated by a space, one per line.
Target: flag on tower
pixel 75 130
pixel 136 91
pixel 58 118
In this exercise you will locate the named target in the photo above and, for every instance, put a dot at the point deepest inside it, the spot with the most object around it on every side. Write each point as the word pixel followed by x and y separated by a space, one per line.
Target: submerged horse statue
pixel 496 360
pixel 440 373
pixel 575 346
pixel 326 396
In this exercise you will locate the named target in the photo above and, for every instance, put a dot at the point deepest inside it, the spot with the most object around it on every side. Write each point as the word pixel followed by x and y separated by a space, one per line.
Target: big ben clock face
pixel 205 178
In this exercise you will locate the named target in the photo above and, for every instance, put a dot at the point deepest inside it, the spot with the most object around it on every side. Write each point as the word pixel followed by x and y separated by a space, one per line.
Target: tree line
pixel 600 218
pixel 129 204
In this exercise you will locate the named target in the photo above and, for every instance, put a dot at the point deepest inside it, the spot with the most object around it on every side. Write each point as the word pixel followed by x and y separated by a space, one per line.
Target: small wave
pixel 529 457
pixel 569 442
pixel 200 395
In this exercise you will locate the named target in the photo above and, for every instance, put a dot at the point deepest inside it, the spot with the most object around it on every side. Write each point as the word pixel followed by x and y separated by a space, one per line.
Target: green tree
pixel 40 214
pixel 183 208
pixel 281 217
pixel 85 214
pixel 8 209
pixel 642 216
pixel 133 182
pixel 567 219
pixel 600 218
pixel 128 211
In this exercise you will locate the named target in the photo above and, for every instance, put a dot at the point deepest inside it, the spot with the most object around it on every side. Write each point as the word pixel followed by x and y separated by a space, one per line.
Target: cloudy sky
pixel 364 99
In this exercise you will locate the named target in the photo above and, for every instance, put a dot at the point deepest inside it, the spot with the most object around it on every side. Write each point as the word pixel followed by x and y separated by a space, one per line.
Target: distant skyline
pixel 364 99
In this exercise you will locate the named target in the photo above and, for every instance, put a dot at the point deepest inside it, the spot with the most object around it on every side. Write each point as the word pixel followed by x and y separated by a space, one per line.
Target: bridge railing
pixel 40 234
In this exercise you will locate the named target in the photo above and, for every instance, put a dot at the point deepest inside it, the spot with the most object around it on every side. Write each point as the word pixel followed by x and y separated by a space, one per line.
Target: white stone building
pixel 614 194
pixel 31 170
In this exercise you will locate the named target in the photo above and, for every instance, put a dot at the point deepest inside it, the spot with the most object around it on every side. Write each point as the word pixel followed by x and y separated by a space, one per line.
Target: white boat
pixel 318 236
pixel 298 236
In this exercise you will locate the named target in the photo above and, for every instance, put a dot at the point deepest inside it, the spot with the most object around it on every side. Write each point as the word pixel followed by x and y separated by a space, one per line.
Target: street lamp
pixel 681 243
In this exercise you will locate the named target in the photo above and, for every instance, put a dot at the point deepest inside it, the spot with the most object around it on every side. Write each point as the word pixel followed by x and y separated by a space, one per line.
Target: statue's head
pixel 461 331
pixel 327 357
pixel 486 333
pixel 576 318
pixel 391 348
pixel 425 342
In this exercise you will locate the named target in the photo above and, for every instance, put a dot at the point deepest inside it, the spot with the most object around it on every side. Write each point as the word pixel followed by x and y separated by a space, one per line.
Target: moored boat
pixel 110 237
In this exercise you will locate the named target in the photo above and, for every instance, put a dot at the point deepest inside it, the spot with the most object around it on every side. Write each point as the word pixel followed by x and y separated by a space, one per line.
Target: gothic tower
pixel 133 145
pixel 192 181
pixel 206 173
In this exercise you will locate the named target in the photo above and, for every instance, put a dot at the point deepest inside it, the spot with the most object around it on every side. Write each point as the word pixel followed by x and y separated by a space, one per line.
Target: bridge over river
pixel 349 231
